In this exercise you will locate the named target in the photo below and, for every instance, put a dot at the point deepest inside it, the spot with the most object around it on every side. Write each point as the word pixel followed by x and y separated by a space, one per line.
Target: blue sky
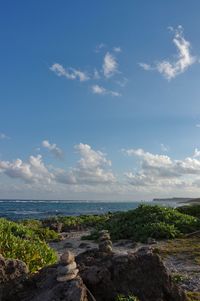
pixel 99 99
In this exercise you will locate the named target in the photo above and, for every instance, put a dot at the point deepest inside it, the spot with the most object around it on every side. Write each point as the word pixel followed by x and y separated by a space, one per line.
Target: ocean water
pixel 26 209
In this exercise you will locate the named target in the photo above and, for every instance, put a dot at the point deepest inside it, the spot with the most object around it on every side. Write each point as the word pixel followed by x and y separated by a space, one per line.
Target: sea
pixel 41 209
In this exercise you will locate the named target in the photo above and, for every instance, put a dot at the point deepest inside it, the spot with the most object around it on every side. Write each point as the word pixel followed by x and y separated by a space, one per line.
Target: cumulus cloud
pixel 161 170
pixel 69 73
pixel 96 89
pixel 93 168
pixel 53 148
pixel 181 62
pixel 33 171
pixel 110 65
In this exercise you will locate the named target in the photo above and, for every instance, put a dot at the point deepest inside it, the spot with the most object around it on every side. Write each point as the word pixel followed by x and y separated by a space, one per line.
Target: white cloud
pixel 3 136
pixel 198 125
pixel 53 148
pixel 182 61
pixel 69 73
pixel 96 89
pixel 160 170
pixel 31 172
pixel 196 153
pixel 93 167
pixel 110 65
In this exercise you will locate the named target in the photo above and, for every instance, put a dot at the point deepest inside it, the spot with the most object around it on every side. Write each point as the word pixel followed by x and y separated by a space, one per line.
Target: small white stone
pixel 67 258
pixel 65 269
pixel 68 277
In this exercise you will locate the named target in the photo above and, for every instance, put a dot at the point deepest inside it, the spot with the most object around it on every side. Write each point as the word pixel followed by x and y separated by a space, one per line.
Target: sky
pixel 99 100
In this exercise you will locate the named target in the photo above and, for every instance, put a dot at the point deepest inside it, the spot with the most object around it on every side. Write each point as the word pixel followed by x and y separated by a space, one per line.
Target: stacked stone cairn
pixel 105 243
pixel 67 268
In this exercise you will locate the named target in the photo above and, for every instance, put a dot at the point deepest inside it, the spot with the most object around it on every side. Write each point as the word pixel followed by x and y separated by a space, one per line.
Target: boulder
pixel 142 274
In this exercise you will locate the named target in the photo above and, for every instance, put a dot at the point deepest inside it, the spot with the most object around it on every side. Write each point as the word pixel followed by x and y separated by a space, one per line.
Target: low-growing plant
pixel 178 278
pixel 193 210
pixel 20 242
pixel 126 298
pixel 78 222
pixel 44 233
pixel 148 221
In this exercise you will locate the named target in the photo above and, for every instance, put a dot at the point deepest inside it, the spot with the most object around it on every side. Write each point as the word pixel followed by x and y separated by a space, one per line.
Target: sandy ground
pixel 74 243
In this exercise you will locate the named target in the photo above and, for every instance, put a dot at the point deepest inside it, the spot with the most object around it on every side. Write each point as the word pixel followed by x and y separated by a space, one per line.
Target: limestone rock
pixel 68 276
pixel 64 269
pixel 67 258
pixel 140 273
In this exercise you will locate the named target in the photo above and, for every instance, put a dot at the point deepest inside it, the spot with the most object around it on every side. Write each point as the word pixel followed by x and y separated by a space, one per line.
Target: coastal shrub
pixel 19 242
pixel 44 233
pixel 149 221
pixel 193 210
pixel 77 222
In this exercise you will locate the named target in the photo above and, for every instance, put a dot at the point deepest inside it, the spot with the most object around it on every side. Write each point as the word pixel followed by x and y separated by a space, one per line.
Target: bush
pixel 20 242
pixel 193 210
pixel 37 228
pixel 77 222
pixel 149 221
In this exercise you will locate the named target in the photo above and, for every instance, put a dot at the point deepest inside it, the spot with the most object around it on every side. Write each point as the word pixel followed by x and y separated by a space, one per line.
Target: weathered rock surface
pixel 142 274
pixel 44 286
pixel 12 274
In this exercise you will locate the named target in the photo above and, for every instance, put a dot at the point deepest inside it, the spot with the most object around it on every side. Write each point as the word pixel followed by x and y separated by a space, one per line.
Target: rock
pixel 103 232
pixel 151 241
pixel 104 237
pixel 64 269
pixel 83 245
pixel 68 245
pixel 68 276
pixel 11 269
pixel 67 258
pixel 13 273
pixel 105 244
pixel 105 248
pixel 141 273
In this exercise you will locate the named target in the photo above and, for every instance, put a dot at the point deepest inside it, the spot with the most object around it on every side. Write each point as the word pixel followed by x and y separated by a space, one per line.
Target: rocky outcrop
pixel 142 274
pixel 103 272
pixel 59 282
pixel 13 273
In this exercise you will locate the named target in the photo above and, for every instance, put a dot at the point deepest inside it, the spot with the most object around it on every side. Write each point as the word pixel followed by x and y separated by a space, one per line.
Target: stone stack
pixel 105 243
pixel 67 268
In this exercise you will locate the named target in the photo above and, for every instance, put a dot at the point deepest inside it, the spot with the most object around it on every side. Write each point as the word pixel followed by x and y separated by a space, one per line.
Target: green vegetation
pixel 78 222
pixel 44 233
pixel 148 221
pixel 193 210
pixel 24 243
pixel 126 298
pixel 178 278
